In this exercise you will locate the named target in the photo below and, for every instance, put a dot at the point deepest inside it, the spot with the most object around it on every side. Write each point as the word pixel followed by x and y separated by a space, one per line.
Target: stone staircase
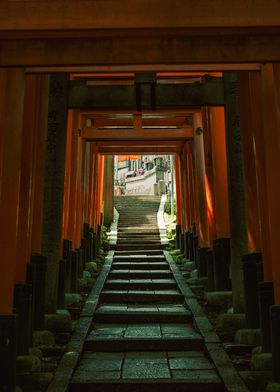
pixel 143 338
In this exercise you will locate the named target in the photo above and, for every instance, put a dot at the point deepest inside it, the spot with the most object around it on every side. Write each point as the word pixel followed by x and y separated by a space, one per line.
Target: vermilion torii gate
pixel 42 38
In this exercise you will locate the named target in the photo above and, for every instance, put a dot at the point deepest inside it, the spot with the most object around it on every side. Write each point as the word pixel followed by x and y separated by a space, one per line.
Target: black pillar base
pixel 67 254
pixel 202 261
pixel 182 243
pixel 221 252
pixel 186 244
pixel 191 254
pixel 178 236
pixel 275 341
pixel 23 310
pixel 31 280
pixel 250 263
pixel 8 352
pixel 195 248
pixel 40 263
pixel 210 270
pixel 95 245
pixel 74 272
pixel 61 284
pixel 266 300
pixel 99 236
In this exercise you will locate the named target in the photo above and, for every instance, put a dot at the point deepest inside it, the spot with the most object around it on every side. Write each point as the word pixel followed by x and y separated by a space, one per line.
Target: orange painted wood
pixel 178 184
pixel 79 188
pixel 26 193
pixel 100 188
pixel 250 118
pixel 219 197
pixel 86 183
pixel 209 173
pixel 191 183
pixel 185 194
pixel 108 15
pixel 271 127
pixel 95 134
pixel 73 191
pixel 200 175
pixel 93 153
pixel 260 164
pixel 67 177
pixel 11 115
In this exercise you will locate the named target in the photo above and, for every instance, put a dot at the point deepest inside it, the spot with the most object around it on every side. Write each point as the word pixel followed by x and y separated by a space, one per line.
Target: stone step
pixel 142 296
pixel 139 238
pixel 122 241
pixel 142 246
pixel 159 371
pixel 142 274
pixel 142 252
pixel 155 314
pixel 143 337
pixel 140 265
pixel 137 230
pixel 138 284
pixel 138 233
pixel 140 259
pixel 137 226
pixel 145 240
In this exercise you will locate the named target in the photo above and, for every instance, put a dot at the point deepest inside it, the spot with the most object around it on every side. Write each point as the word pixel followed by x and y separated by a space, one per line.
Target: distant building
pixel 143 174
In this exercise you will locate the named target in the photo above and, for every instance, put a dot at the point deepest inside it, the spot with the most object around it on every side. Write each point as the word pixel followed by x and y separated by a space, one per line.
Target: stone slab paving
pixel 144 336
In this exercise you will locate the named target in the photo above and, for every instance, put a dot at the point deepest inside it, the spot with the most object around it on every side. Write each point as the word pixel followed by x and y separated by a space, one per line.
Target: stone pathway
pixel 144 336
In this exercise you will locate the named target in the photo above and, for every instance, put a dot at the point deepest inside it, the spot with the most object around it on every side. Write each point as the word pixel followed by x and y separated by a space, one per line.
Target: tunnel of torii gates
pixel 82 83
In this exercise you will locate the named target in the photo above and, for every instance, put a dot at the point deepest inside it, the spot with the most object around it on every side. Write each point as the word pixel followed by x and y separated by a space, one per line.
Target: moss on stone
pixel 219 299
pixel 261 361
pixel 251 337
pixel 273 387
pixel 58 322
pixel 230 323
pixel 28 364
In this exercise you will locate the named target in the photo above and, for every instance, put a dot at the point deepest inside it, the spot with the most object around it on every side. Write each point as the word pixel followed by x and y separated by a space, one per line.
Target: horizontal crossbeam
pixel 209 93
pixel 141 147
pixel 144 50
pixel 94 134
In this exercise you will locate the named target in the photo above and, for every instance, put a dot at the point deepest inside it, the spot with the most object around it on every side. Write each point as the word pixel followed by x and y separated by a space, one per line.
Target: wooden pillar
pixel 73 191
pixel 108 191
pixel 80 191
pixel 202 222
pixel 11 117
pixel 209 173
pixel 238 229
pixel 250 117
pixel 86 173
pixel 270 84
pixel 100 187
pixel 34 123
pixel 67 177
pixel 179 193
pixel 191 182
pixel 185 188
pixel 219 196
pixel 54 183
pixel 93 154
